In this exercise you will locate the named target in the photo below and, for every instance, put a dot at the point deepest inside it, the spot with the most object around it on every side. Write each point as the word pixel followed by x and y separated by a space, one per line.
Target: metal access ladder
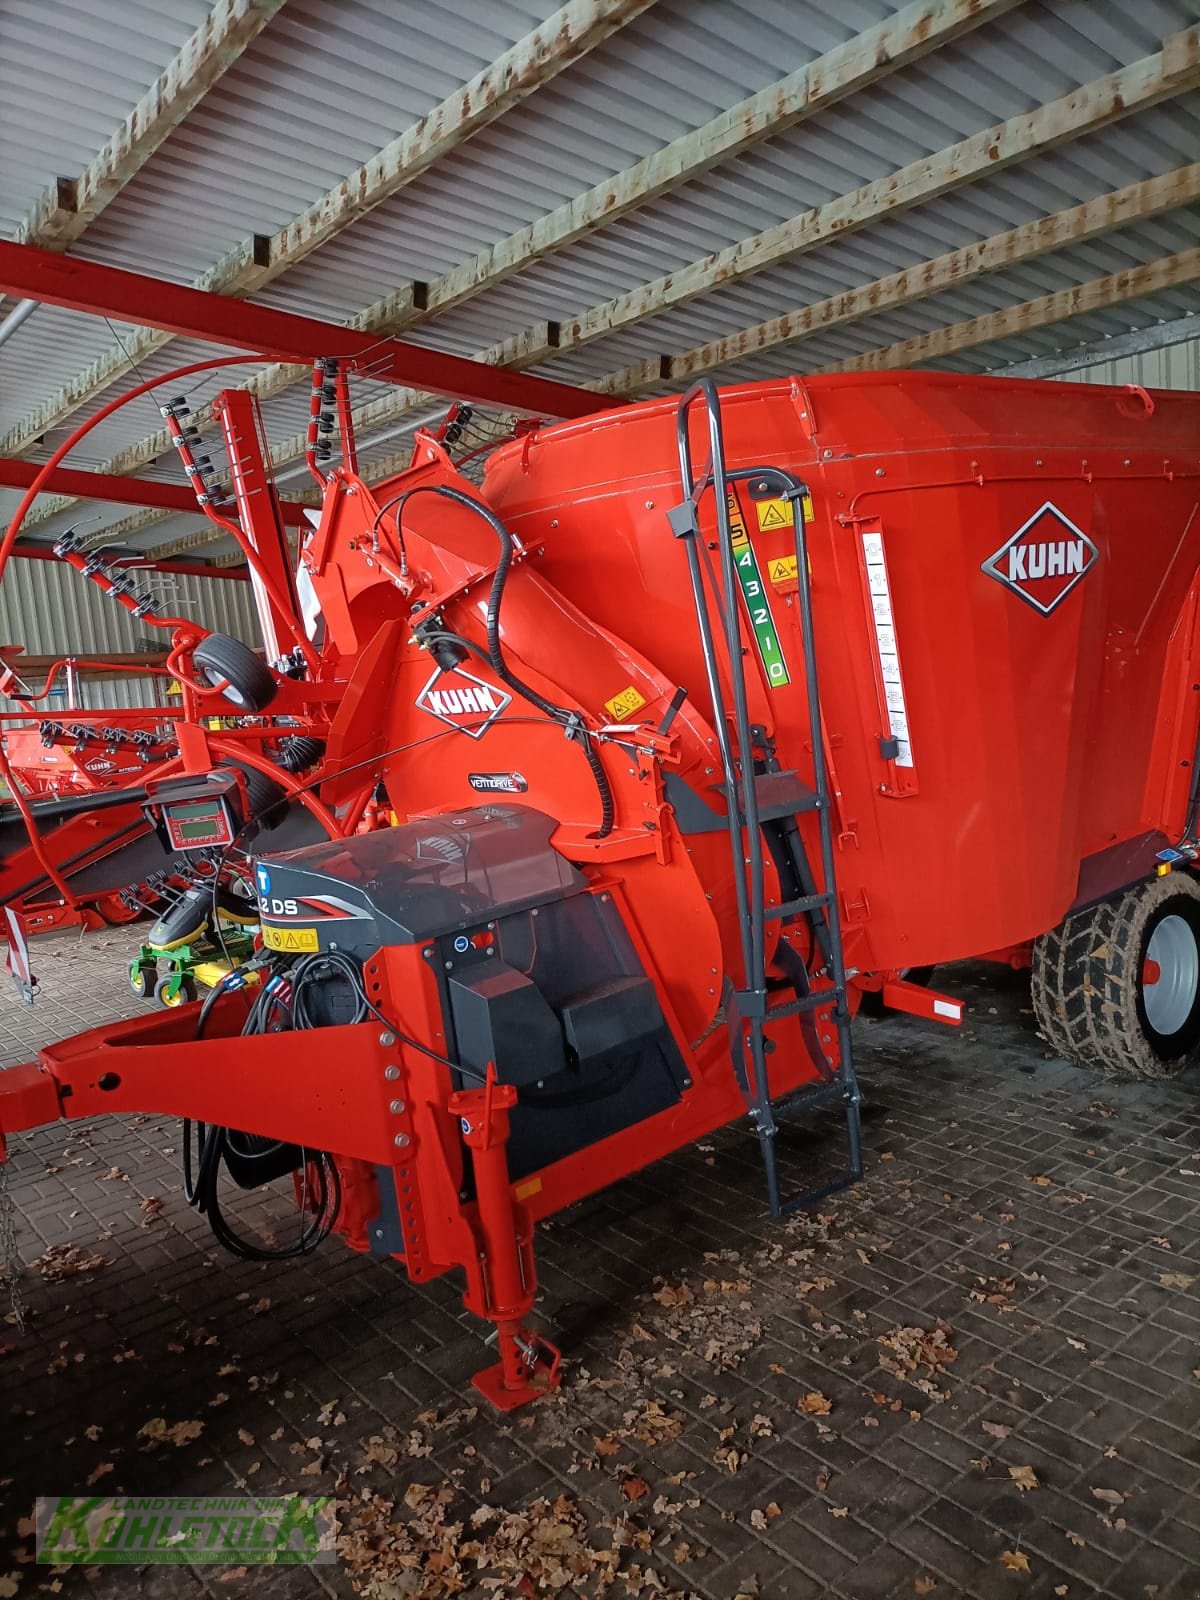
pixel 757 794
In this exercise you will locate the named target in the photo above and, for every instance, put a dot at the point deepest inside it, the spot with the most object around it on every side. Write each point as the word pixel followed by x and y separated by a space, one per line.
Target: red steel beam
pixel 132 563
pixel 101 291
pixel 124 491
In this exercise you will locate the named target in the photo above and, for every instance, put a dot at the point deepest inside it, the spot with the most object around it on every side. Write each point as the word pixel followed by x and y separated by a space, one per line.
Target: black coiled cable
pixel 214 1145
pixel 571 720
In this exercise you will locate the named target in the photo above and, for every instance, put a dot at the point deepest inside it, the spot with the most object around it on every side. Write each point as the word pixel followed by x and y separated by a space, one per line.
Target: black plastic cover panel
pixel 426 877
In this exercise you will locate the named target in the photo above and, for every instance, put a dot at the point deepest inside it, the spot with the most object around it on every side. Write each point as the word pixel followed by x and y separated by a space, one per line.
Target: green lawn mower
pixel 195 941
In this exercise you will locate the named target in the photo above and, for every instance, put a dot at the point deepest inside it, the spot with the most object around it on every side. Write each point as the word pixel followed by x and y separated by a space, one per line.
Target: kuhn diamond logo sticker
pixel 462 701
pixel 1044 559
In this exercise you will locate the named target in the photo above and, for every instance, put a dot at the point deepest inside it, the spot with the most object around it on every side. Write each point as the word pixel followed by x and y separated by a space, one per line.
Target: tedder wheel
pixel 266 799
pixel 249 682
pixel 172 990
pixel 143 978
pixel 1117 985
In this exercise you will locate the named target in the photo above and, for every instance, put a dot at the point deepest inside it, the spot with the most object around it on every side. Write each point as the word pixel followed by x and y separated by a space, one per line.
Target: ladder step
pixel 812 1094
pixel 811 1197
pixel 782 794
pixel 807 1002
pixel 793 908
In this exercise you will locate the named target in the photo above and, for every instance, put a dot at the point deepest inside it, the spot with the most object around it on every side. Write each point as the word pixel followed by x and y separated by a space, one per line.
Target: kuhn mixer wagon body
pixel 1003 588
pixel 701 719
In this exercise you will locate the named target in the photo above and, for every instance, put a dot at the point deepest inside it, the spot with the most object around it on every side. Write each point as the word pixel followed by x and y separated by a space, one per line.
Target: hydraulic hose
pixel 571 720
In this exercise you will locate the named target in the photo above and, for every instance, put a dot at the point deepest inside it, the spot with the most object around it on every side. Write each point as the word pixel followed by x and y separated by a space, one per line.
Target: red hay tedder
pixel 646 864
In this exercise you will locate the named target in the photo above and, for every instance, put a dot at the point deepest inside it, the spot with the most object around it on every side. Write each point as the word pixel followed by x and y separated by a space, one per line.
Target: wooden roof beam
pixel 860 62
pixel 532 62
pixel 1099 294
pixel 1136 202
pixel 72 204
pixel 1145 83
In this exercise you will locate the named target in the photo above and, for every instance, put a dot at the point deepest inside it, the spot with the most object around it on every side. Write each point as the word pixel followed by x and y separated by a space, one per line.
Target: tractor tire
pixel 1117 986
pixel 171 991
pixel 249 683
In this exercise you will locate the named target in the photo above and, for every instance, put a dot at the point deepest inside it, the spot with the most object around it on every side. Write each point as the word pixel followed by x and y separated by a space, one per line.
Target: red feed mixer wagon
pixel 702 720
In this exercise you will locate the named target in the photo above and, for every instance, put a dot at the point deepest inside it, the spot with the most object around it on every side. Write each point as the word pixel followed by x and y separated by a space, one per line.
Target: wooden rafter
pixel 860 62
pixel 1134 203
pixel 537 58
pixel 1098 294
pixel 1170 71
pixel 71 205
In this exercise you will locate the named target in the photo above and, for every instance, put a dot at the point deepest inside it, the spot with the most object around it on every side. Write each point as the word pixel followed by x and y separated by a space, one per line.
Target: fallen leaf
pixel 924 1584
pixel 8 1584
pixel 245 1436
pixel 1074 1539
pixel 996 1429
pixel 1060 1589
pixel 1110 1497
pixel 758 1520
pixel 1042 1181
pixel 634 1488
pixel 179 1433
pixel 839 1511
pixel 814 1404
pixel 1014 1560
pixel 1175 1280
pixel 99 1472
pixel 1024 1477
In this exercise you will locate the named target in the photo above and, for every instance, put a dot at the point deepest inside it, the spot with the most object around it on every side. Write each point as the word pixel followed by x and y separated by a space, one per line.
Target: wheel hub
pixel 1170 975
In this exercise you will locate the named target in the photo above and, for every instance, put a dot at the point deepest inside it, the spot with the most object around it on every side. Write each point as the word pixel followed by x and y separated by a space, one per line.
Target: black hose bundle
pixel 252 1160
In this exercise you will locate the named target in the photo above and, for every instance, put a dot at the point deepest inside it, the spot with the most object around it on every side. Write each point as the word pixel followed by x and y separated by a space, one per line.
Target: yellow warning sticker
pixel 295 941
pixel 528 1188
pixel 778 513
pixel 622 706
pixel 782 569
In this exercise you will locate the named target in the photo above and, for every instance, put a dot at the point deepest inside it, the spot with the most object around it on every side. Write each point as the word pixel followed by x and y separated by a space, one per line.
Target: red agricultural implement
pixel 647 864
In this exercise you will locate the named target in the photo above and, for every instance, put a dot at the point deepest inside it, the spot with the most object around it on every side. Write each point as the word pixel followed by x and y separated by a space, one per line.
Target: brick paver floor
pixel 974 1375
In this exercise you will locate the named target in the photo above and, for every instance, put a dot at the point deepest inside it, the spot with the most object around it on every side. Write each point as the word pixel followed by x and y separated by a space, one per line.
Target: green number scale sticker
pixel 755 594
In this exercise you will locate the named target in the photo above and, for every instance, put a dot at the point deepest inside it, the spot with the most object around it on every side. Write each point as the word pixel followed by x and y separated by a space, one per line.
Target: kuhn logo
pixel 499 782
pixel 99 764
pixel 463 702
pixel 1044 559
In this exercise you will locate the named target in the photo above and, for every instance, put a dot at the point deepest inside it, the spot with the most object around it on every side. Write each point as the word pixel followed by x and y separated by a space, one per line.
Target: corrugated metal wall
pixel 1177 367
pixel 50 610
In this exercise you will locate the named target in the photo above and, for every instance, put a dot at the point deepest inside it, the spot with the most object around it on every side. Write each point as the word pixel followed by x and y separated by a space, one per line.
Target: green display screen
pixel 198 830
pixel 199 822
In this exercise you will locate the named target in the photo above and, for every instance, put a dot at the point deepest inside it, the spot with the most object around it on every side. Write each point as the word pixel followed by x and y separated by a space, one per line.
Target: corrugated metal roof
pixel 69 75
pixel 324 87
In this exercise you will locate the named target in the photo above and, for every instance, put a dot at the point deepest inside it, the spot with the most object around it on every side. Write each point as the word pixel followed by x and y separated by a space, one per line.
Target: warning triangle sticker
pixel 773 517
